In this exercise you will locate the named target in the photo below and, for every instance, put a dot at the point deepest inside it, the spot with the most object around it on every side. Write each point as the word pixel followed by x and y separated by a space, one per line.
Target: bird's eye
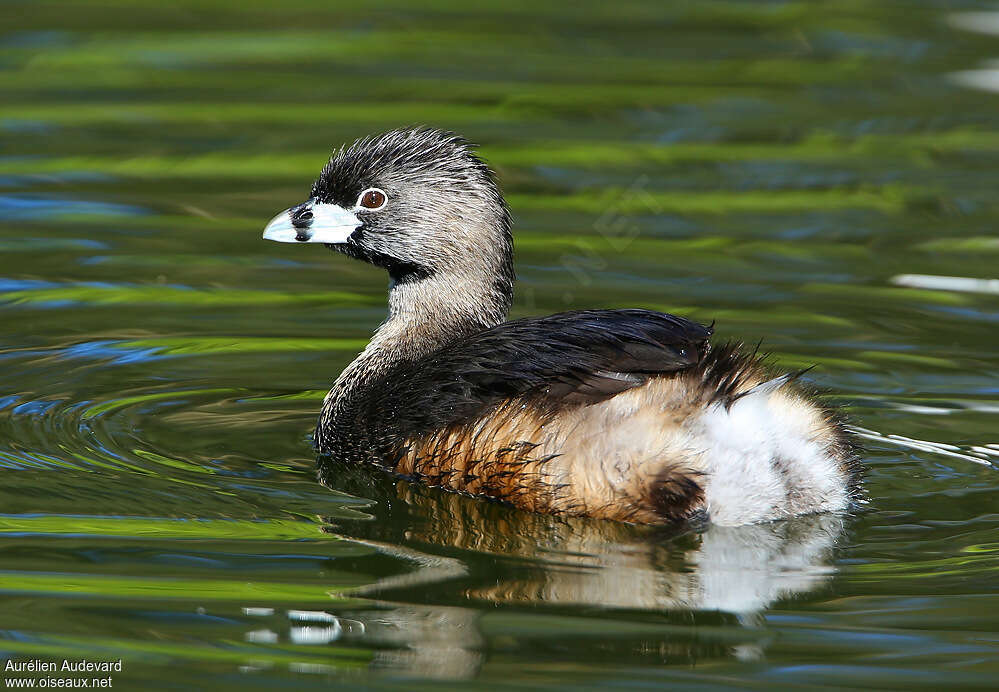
pixel 372 198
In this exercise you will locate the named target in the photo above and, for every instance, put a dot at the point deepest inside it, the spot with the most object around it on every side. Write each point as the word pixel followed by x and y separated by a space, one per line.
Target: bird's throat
pixel 425 315
pixel 433 311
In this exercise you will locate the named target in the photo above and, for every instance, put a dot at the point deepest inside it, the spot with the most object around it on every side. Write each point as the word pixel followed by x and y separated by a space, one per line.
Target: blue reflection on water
pixel 31 207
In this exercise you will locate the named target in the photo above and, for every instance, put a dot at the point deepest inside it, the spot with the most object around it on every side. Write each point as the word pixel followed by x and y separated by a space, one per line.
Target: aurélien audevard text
pixel 82 665
pixel 36 665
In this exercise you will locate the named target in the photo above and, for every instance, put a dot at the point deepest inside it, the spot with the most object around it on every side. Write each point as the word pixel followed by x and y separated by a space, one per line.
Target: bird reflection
pixel 733 573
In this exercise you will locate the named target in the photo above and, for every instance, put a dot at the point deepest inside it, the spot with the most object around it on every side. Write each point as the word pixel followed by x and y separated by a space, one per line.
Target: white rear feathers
pixel 768 455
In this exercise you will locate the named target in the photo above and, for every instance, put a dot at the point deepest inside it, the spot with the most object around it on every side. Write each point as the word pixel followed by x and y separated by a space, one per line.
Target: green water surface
pixel 804 173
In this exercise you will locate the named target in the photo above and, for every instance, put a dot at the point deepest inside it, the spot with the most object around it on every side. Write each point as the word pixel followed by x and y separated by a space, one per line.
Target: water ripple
pixel 34 207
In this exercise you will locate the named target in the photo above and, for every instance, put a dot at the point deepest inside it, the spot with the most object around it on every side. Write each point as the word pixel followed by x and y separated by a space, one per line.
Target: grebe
pixel 616 414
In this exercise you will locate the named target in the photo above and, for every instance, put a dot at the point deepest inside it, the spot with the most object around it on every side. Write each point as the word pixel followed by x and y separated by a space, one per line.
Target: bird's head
pixel 416 202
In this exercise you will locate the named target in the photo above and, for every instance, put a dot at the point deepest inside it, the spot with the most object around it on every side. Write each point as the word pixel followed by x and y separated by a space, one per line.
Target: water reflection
pixel 487 553
pixel 986 77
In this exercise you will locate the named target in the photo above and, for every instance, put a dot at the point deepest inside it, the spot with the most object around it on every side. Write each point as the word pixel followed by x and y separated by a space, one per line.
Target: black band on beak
pixel 301 216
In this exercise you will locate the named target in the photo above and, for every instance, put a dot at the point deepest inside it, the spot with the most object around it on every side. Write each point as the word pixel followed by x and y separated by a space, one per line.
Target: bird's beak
pixel 312 222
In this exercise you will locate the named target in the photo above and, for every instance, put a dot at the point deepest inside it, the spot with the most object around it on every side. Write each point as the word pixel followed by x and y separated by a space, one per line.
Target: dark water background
pixel 803 173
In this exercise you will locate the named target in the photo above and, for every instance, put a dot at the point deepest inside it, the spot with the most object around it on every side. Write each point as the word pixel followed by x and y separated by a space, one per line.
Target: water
pixel 802 173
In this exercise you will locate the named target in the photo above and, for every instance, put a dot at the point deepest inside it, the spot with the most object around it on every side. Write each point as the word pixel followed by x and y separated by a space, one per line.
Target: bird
pixel 628 415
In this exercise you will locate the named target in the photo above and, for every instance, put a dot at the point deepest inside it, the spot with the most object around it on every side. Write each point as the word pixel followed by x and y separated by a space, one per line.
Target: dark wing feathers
pixel 571 358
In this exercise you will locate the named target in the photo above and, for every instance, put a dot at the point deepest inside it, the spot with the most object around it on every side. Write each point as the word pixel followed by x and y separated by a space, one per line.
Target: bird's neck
pixel 426 314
